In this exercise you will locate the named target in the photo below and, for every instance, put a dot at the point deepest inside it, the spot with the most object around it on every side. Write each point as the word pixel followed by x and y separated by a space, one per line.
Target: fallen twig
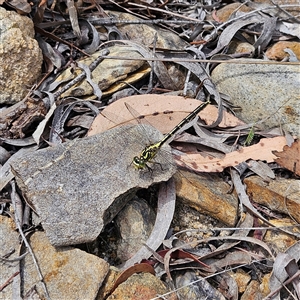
pixel 14 196
pixel 9 280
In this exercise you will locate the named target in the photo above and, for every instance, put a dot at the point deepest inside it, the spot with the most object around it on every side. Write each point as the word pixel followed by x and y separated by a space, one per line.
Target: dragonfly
pixel 149 152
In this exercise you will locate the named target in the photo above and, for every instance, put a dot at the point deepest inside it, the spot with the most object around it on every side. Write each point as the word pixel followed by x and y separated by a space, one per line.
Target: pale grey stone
pixel 135 223
pixel 260 90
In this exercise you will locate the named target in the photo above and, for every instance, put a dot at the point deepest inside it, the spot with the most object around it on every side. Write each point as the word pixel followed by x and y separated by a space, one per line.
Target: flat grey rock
pixel 260 90
pixel 79 186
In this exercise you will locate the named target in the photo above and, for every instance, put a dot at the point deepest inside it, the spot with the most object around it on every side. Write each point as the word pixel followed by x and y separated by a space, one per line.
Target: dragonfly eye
pixel 138 162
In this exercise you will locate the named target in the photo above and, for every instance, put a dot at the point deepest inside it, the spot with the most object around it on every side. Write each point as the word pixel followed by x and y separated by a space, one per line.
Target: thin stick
pixel 8 281
pixel 14 196
pixel 202 279
pixel 228 61
pixel 297 274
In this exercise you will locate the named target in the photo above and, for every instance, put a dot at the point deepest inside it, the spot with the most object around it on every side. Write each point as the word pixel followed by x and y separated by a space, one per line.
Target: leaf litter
pixel 223 144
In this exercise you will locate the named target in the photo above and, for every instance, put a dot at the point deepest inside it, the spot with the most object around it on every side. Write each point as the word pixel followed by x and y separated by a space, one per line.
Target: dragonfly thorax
pixel 149 152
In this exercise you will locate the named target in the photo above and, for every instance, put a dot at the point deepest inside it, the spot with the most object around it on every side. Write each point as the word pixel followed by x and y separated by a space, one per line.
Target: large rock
pixel 20 56
pixel 79 186
pixel 264 92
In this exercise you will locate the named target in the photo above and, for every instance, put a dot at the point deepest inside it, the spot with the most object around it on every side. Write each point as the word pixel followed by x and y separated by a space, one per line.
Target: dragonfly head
pixel 139 163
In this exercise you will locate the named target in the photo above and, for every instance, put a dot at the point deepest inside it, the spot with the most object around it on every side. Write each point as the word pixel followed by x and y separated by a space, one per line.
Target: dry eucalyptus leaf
pixel 51 53
pixel 279 274
pixel 231 259
pixel 21 6
pixel 91 31
pixel 41 127
pixel 229 32
pixel 289 28
pixel 83 121
pixel 261 151
pixel 262 169
pixel 289 158
pixel 162 112
pixel 165 212
pixel 74 18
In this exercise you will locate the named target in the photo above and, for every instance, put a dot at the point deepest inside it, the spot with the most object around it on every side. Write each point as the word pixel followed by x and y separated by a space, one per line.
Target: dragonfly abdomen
pixel 149 152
